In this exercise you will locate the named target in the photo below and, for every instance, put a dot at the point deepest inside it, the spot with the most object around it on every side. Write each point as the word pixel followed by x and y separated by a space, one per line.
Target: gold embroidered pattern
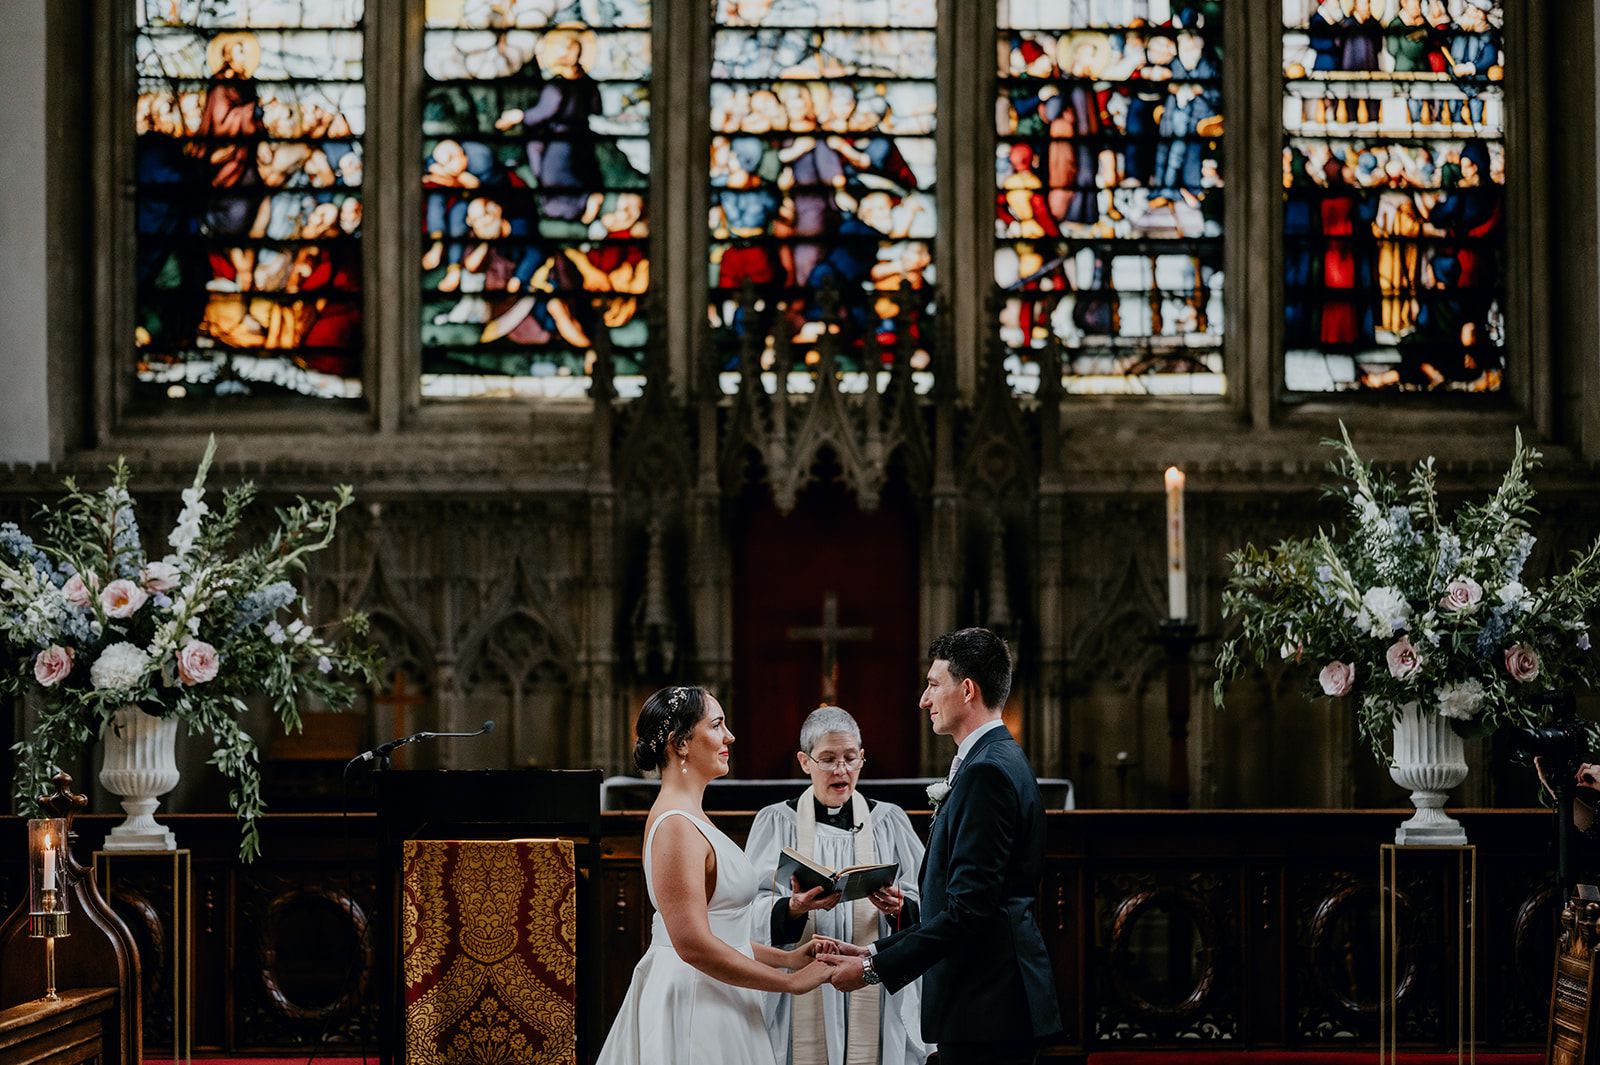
pixel 491 964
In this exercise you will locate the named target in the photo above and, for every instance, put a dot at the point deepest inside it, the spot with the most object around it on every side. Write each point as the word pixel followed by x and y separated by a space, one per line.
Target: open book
pixel 855 881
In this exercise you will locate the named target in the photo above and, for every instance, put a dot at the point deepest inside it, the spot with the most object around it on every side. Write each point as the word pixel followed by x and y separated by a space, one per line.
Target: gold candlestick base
pixel 50 971
pixel 49 924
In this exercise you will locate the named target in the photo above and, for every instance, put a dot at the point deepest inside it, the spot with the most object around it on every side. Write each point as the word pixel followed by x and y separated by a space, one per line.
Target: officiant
pixel 835 825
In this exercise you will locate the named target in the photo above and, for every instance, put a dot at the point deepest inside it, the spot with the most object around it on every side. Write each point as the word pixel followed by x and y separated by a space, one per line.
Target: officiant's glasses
pixel 830 763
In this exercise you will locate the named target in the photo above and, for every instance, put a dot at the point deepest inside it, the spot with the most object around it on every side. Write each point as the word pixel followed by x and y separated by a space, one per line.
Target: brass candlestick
pixel 47 912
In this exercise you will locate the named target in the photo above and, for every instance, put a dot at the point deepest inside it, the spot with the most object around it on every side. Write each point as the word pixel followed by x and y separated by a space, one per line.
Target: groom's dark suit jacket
pixel 985 974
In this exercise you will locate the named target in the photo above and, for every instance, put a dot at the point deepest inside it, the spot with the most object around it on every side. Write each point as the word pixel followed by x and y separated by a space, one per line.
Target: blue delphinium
pixel 127 557
pixel 20 546
pixel 1495 627
pixel 263 602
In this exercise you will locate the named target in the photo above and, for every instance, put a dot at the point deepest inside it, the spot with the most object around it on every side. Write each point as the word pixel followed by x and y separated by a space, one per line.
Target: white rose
pixel 1385 611
pixel 937 792
pixel 1462 700
pixel 122 665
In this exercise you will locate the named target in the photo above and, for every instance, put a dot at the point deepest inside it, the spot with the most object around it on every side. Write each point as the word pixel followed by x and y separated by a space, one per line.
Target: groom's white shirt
pixel 963 749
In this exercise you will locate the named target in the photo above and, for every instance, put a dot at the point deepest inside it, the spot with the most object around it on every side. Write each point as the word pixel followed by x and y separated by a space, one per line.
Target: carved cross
pixel 399 699
pixel 830 634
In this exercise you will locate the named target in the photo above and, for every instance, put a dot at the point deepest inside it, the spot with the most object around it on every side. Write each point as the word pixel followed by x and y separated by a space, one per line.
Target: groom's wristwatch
pixel 869 974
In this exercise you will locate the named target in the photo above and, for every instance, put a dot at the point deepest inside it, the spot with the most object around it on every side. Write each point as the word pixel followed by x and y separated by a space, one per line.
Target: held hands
pixel 826 948
pixel 800 956
pixel 810 978
pixel 803 902
pixel 846 974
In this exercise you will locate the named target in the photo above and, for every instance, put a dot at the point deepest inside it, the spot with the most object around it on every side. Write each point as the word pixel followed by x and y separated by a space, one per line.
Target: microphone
pixel 382 751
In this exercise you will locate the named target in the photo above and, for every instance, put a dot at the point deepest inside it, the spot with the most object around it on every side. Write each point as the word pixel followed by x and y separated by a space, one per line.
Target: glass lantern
pixel 47 878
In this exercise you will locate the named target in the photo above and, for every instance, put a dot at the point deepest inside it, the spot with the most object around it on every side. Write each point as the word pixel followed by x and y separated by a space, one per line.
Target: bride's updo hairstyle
pixel 667 718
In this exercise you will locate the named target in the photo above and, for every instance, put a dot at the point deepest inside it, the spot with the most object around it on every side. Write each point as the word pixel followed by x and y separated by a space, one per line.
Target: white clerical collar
pixel 964 748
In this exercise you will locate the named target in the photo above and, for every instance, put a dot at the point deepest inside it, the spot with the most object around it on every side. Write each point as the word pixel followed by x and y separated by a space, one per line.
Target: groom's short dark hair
pixel 982 657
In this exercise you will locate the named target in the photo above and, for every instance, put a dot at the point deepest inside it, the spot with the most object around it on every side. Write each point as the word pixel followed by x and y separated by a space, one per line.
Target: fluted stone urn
pixel 1429 759
pixel 140 766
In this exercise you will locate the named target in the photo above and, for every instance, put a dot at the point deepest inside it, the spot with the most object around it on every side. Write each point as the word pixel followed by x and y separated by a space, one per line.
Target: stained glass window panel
pixel 248 167
pixel 1108 200
pixel 1394 195
pixel 822 175
pixel 535 175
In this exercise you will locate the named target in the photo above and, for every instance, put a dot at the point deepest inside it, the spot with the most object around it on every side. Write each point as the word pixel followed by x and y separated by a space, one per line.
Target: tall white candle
pixel 1177 577
pixel 49 863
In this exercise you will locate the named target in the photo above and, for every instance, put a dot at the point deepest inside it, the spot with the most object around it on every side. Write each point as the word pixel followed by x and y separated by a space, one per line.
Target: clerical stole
pixel 489 943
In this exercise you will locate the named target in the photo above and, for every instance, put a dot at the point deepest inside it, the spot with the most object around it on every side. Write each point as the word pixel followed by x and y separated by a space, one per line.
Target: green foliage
pixel 1402 605
pixel 198 634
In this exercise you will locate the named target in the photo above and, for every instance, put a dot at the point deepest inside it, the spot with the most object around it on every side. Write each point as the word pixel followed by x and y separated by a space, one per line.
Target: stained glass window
pixel 1394 195
pixel 822 174
pixel 535 175
pixel 1108 202
pixel 248 168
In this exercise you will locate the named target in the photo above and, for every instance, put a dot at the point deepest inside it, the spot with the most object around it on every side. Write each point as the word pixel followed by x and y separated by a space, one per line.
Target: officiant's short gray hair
pixel 823 720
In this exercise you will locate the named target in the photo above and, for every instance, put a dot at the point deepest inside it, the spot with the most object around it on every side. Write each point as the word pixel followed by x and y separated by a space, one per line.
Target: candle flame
pixel 1175 478
pixel 47 843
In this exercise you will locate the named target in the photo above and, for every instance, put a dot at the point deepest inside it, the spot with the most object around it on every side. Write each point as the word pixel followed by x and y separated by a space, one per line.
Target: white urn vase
pixel 1429 759
pixel 140 767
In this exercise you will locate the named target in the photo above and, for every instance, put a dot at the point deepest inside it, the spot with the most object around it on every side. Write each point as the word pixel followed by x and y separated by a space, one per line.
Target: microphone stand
pixel 383 754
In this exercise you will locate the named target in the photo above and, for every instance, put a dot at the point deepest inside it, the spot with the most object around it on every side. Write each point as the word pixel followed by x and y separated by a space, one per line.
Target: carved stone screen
pixel 247 192
pixel 536 179
pixel 822 174
pixel 1108 193
pixel 1394 195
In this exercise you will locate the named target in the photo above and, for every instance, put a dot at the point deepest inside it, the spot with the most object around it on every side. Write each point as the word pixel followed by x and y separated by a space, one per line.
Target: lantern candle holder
pixel 47 891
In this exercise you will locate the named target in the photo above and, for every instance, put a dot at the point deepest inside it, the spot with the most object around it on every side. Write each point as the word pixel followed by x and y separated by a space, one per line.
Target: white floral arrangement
pixel 1405 606
pixel 89 624
pixel 938 791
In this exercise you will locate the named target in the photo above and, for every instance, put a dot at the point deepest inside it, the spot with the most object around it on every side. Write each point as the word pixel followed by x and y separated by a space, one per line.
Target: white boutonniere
pixel 937 792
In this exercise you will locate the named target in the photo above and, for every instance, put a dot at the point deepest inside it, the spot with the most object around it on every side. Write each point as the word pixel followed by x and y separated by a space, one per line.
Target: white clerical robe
pixel 901 1014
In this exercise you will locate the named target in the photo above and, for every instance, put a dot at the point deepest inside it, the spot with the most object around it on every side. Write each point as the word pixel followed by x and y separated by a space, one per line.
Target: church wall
pixel 504 567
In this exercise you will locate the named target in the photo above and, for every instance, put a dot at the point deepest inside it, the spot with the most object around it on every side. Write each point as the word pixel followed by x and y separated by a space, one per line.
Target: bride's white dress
pixel 675 1014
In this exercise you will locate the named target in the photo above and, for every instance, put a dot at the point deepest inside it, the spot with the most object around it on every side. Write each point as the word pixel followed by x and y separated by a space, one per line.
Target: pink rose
pixel 197 662
pixel 1403 659
pixel 1462 596
pixel 1337 678
pixel 77 591
pixel 122 599
pixel 160 577
pixel 1522 663
pixel 52 665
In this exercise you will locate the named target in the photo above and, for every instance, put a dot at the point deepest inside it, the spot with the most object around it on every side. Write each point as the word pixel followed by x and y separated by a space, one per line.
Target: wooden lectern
pixel 489 805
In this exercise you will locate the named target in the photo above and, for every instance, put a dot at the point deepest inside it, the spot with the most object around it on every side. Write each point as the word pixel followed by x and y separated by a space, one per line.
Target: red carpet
pixel 1298 1057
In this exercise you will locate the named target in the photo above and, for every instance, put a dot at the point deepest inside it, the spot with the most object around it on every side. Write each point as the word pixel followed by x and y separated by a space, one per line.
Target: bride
pixel 694 999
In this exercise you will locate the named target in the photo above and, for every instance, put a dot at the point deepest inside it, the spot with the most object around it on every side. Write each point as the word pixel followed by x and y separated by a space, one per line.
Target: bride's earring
pixel 683 765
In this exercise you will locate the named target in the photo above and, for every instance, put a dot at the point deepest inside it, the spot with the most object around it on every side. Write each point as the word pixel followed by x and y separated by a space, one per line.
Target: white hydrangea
pixel 122 665
pixel 1384 611
pixel 1514 597
pixel 1461 700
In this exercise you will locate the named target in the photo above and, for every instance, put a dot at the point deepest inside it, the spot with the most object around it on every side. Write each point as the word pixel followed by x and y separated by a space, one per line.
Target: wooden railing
pixel 1230 929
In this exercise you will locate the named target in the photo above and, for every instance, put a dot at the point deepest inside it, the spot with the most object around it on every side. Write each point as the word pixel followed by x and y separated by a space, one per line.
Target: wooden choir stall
pixel 83 1006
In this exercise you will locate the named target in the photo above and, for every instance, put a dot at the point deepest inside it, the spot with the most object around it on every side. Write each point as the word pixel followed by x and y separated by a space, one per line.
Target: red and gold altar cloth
pixel 489 940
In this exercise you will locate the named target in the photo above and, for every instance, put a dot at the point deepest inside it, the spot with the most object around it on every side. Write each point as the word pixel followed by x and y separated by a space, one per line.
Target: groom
pixel 988 995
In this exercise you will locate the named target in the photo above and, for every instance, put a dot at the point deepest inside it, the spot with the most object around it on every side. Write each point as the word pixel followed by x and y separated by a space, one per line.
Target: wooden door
pixel 786 569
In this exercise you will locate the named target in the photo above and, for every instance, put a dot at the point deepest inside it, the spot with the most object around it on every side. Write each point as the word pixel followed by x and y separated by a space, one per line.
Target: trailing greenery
pixel 1405 605
pixel 90 624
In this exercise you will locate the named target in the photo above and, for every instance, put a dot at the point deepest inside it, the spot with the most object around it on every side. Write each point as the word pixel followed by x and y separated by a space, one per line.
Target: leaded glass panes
pixel 1394 195
pixel 1108 202
pixel 535 174
pixel 248 129
pixel 822 174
